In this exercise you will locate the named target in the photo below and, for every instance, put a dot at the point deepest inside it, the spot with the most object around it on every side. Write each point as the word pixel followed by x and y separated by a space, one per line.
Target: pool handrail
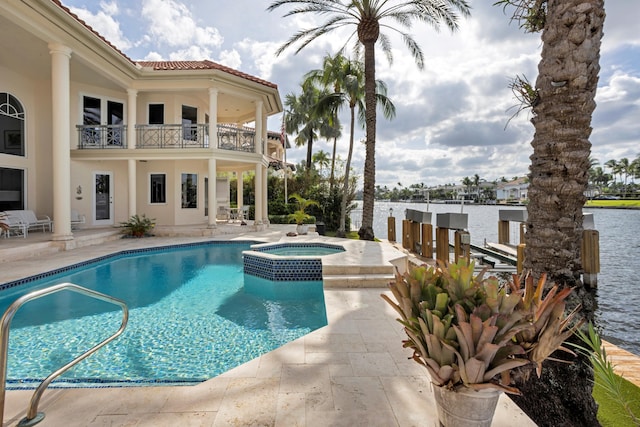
pixel 33 416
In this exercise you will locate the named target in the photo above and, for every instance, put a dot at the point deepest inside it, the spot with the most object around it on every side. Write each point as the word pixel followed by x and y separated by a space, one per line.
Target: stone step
pixel 357 281
pixel 354 270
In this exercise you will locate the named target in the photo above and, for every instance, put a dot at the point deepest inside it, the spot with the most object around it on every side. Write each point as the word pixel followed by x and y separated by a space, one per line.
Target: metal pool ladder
pixel 33 416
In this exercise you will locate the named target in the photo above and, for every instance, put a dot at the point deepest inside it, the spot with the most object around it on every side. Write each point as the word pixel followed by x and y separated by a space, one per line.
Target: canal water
pixel 619 278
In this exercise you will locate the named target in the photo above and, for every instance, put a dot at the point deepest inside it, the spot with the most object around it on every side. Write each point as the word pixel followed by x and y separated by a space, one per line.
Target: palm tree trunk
pixel 333 166
pixel 366 229
pixel 309 153
pixel 345 186
pixel 567 81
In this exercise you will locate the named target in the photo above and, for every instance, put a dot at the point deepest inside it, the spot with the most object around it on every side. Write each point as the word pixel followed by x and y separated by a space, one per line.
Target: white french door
pixel 103 198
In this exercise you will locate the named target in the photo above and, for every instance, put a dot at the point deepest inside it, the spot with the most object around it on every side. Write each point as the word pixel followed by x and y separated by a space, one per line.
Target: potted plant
pixel 138 226
pixel 470 333
pixel 300 215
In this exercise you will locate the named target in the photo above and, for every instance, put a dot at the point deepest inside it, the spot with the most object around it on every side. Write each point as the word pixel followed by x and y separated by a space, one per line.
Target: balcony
pixel 169 136
pixel 105 136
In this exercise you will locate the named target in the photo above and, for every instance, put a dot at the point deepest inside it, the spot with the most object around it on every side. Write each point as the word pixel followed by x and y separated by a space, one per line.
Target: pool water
pixel 300 249
pixel 193 315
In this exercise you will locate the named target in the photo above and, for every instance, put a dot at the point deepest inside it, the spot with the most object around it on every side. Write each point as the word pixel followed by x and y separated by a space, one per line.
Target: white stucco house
pixel 513 191
pixel 85 128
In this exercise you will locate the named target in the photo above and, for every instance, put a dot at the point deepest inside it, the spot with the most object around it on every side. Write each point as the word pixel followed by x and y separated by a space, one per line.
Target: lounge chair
pixel 29 218
pixel 12 225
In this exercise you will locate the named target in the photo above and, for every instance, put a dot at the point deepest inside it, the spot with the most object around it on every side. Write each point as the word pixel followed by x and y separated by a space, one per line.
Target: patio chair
pixel 31 220
pixel 12 225
pixel 245 212
pixel 223 213
pixel 77 219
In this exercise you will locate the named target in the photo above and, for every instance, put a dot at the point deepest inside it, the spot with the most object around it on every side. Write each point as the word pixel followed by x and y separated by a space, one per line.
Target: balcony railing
pixel 237 139
pixel 169 136
pixel 172 136
pixel 102 136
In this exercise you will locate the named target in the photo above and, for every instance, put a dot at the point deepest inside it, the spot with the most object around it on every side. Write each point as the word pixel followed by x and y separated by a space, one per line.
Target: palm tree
pixel 368 16
pixel 565 91
pixel 302 118
pixel 348 85
pixel 613 165
pixel 466 181
pixel 321 158
pixel 476 183
pixel 623 166
pixel 331 76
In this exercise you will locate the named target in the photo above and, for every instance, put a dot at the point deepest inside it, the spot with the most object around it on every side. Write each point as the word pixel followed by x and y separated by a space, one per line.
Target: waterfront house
pixel 514 191
pixel 84 128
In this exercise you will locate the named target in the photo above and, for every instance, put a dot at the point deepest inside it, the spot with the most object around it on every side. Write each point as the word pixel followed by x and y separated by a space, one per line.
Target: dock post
pixel 416 246
pixel 520 255
pixel 391 229
pixel 405 233
pixel 442 244
pixel 590 257
pixel 427 240
pixel 503 232
pixel 462 245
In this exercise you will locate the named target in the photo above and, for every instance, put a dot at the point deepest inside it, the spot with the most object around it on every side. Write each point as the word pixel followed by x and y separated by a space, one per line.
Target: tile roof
pixel 201 65
pixel 170 65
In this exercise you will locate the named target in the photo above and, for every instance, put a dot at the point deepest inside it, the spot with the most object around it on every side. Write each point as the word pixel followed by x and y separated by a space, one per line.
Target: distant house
pixel 85 128
pixel 513 191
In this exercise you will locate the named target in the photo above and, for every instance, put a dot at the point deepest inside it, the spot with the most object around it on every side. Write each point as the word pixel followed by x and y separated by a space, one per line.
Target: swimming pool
pixel 193 315
pixel 298 249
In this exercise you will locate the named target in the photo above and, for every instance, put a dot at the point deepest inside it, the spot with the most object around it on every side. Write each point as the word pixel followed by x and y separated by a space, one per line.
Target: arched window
pixel 11 125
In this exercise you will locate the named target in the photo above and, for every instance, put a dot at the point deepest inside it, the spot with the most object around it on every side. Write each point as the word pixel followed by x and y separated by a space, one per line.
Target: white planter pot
pixel 466 407
pixel 302 228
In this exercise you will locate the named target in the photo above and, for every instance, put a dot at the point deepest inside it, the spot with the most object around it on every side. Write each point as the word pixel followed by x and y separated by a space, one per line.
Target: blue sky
pixel 451 116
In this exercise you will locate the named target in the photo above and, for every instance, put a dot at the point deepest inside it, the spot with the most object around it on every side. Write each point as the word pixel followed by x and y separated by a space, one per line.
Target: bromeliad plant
pixel 467 330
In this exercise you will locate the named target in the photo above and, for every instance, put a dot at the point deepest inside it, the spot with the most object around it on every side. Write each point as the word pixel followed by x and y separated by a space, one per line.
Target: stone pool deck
pixel 352 372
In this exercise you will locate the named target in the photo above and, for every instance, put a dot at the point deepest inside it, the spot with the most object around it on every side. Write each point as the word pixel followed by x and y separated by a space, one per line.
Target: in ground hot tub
pixel 288 261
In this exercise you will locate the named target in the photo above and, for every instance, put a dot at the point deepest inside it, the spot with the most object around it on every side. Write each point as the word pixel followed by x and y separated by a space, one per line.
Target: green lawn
pixel 613 203
pixel 611 413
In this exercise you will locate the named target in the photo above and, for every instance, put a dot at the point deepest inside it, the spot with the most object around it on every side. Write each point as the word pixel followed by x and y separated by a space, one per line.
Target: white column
pixel 60 135
pixel 240 191
pixel 265 196
pixel 259 128
pixel 132 108
pixel 257 189
pixel 212 194
pixel 132 187
pixel 264 134
pixel 213 124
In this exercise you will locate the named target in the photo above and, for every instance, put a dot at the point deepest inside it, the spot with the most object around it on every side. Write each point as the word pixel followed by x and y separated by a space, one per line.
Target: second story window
pixel 156 114
pixel 103 122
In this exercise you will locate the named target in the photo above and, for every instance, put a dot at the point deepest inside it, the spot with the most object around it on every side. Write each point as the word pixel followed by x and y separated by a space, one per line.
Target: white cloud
pixel 173 24
pixel 230 58
pixel 193 53
pixel 153 56
pixel 105 23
